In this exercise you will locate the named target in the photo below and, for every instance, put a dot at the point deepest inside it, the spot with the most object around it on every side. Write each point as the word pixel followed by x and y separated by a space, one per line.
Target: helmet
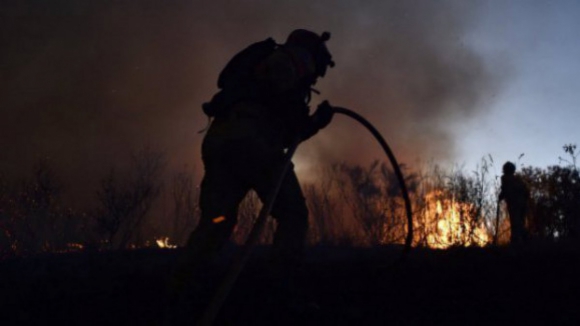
pixel 314 44
pixel 509 168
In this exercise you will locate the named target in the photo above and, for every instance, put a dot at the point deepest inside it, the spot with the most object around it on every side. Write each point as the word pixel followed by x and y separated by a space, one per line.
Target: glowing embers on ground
pixel 448 222
pixel 164 243
pixel 70 247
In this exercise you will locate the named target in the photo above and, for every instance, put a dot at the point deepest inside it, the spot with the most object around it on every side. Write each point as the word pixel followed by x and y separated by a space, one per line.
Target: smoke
pixel 86 83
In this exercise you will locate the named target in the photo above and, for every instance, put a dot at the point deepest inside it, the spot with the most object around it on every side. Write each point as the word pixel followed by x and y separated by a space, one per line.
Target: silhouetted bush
pixel 32 217
pixel 125 202
pixel 185 196
pixel 555 201
pixel 349 204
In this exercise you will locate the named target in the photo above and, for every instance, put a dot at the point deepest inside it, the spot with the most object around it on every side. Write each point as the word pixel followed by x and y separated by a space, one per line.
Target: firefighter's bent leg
pixel 219 199
pixel 291 214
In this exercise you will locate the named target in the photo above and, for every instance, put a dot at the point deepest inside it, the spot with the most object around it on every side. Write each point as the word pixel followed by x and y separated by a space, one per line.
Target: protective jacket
pixel 277 104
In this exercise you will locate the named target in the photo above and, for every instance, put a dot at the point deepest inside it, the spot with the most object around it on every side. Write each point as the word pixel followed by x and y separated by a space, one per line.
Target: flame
pixel 75 246
pixel 448 223
pixel 164 243
pixel 69 247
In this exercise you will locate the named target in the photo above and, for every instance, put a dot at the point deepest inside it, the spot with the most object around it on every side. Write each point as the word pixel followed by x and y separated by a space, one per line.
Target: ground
pixel 535 285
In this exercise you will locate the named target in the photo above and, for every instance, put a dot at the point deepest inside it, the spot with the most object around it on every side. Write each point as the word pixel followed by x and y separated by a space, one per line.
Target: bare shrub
pixel 185 196
pixel 125 202
pixel 248 212
pixel 32 217
pixel 328 223
pixel 371 195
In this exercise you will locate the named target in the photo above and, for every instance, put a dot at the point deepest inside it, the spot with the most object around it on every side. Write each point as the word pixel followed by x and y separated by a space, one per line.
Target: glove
pixel 320 119
pixel 323 115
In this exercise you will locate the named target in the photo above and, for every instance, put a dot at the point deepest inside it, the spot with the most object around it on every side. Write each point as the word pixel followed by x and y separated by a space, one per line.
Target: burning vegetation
pixel 448 209
pixel 451 223
pixel 349 204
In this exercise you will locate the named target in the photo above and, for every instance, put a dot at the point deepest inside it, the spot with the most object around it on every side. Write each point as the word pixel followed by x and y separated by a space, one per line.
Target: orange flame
pixel 164 243
pixel 448 222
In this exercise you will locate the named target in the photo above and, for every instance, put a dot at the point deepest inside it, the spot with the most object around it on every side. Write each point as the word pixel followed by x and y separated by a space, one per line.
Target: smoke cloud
pixel 85 83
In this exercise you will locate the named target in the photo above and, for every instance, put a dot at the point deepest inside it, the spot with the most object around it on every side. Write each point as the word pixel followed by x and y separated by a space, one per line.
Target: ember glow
pixel 70 247
pixel 448 222
pixel 164 243
pixel 75 246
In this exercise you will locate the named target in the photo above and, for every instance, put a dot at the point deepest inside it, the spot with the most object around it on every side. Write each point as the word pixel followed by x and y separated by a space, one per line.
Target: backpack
pixel 237 80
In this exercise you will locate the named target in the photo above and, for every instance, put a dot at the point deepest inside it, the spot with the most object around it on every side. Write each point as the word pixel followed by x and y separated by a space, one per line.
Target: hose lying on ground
pixel 240 260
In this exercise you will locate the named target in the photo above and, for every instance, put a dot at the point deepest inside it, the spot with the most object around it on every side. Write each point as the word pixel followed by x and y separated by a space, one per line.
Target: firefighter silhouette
pixel 261 109
pixel 516 195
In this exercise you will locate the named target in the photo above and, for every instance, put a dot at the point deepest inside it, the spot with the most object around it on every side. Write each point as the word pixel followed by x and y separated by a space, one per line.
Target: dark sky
pixel 84 84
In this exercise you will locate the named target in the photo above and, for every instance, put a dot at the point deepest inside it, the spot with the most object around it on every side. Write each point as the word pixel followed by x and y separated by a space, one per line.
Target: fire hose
pixel 240 260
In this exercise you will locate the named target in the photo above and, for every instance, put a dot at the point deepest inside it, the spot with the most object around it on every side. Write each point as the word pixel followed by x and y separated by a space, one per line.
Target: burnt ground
pixel 535 285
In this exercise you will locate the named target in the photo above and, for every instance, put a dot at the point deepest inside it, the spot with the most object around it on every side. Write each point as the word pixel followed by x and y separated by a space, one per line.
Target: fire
pixel 164 243
pixel 75 246
pixel 448 222
pixel 69 247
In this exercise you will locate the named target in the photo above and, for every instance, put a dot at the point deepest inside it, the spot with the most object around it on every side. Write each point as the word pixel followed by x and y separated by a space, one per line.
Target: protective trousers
pixel 237 158
pixel 517 214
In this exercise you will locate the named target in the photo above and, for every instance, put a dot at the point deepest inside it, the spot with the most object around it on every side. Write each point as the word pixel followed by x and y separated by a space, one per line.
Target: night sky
pixel 84 84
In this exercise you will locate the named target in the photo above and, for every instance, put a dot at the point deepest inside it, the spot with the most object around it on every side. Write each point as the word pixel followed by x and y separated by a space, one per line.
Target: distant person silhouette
pixel 261 109
pixel 516 195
